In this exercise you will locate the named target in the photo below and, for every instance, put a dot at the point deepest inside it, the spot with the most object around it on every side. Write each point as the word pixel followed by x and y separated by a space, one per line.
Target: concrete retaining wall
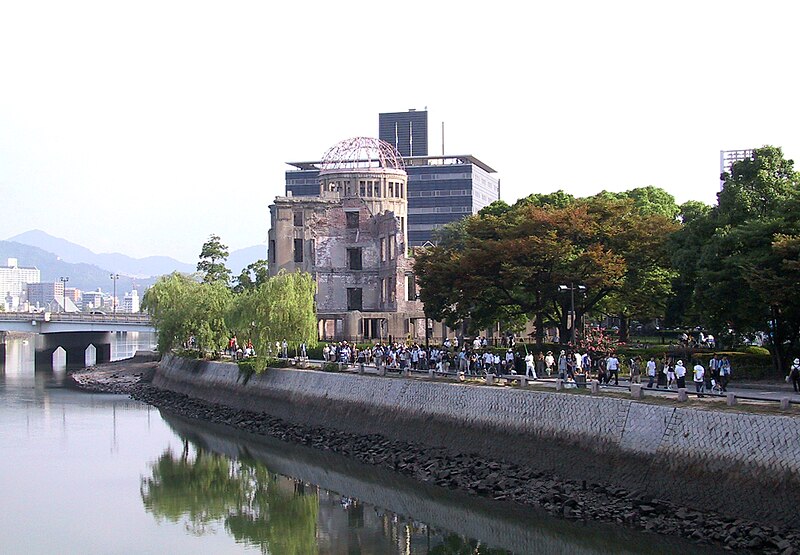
pixel 739 464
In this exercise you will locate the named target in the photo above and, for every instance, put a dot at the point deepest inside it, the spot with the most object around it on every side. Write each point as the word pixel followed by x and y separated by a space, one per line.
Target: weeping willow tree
pixel 282 307
pixel 180 307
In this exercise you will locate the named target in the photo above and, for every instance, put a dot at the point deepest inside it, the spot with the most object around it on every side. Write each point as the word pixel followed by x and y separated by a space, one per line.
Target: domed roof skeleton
pixel 362 153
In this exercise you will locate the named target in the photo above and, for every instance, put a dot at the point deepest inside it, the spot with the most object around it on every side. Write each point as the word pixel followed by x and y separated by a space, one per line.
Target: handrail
pixel 122 318
pixel 354 368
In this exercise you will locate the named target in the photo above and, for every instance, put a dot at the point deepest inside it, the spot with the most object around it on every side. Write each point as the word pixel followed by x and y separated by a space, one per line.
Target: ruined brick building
pixel 353 239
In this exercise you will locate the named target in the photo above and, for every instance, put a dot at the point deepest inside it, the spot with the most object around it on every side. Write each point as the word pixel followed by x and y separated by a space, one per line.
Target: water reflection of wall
pixel 435 517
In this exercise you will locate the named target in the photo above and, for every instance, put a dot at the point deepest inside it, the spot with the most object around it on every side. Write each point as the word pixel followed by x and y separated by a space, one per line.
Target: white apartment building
pixel 13 281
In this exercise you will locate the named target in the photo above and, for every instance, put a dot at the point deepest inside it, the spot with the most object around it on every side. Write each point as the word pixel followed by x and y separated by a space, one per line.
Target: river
pixel 95 473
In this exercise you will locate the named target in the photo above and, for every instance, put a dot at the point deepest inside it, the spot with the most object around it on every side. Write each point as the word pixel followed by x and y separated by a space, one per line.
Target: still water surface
pixel 92 473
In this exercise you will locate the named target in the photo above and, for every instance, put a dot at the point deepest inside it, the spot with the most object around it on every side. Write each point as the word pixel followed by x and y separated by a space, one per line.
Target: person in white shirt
pixel 699 374
pixel 651 372
pixel 549 361
pixel 530 371
pixel 510 369
pixel 680 374
pixel 612 365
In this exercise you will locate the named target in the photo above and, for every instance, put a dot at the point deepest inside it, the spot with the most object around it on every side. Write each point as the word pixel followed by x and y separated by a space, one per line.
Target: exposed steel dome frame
pixel 362 153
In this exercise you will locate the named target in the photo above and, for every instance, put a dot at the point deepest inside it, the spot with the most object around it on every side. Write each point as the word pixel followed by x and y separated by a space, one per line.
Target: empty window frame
pixel 353 298
pixel 354 259
pixel 352 220
pixel 298 250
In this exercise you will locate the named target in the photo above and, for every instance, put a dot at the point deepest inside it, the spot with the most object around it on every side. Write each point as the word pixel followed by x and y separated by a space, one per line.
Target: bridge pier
pixel 75 345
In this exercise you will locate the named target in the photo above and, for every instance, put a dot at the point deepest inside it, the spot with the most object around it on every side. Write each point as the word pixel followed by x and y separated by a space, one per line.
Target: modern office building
pixel 728 157
pixel 441 189
pixel 351 235
pixel 407 132
pixel 13 282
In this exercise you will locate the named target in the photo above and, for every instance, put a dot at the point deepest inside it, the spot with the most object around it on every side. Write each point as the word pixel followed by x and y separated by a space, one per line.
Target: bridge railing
pixel 119 318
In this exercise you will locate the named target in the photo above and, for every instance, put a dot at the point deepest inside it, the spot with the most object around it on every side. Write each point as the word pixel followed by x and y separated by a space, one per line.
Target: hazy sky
pixel 143 127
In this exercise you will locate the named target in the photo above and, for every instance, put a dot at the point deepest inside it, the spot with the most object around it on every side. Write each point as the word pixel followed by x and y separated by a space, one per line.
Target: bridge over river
pixel 73 332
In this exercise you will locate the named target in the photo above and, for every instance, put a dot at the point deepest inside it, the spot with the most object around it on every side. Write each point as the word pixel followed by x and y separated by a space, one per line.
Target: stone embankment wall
pixel 739 464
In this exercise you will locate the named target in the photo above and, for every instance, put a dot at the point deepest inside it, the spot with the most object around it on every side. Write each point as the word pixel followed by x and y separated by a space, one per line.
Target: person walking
pixel 794 375
pixel 651 372
pixel 636 370
pixel 699 377
pixel 562 365
pixel 549 361
pixel 725 373
pixel 670 375
pixel 530 370
pixel 680 375
pixel 612 365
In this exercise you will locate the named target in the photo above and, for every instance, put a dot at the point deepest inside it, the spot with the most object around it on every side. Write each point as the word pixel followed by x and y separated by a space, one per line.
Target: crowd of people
pixel 476 358
pixel 672 374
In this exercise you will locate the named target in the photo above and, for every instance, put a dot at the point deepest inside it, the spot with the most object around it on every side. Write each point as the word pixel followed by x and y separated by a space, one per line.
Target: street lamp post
pixel 572 288
pixel 114 278
pixel 64 281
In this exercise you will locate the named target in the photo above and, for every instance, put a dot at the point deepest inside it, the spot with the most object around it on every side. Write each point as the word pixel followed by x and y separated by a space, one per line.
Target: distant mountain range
pixel 56 257
pixel 86 277
pixel 113 262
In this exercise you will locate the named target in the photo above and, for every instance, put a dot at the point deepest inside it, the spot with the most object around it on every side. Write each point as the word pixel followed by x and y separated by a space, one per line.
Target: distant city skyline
pixel 144 130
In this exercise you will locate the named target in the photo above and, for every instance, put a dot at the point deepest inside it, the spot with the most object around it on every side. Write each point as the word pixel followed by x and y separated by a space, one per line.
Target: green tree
pixel 282 307
pixel 647 283
pixel 212 261
pixel 180 308
pixel 757 187
pixel 252 276
pixel 169 302
pixel 746 258
pixel 684 247
pixel 506 267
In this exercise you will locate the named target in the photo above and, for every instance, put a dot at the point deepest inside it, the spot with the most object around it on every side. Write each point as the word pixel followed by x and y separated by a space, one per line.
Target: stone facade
pixel 353 239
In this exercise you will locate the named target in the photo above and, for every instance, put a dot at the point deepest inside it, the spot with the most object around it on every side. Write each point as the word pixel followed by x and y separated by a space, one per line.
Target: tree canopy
pixel 213 256
pixel 505 265
pixel 735 260
pixel 261 308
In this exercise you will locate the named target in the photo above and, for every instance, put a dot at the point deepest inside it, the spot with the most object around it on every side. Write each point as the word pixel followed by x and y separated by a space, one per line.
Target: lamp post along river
pixel 114 278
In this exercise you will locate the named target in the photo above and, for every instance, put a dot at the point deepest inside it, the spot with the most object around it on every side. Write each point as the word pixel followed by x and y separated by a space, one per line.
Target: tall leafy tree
pixel 213 256
pixel 748 258
pixel 282 307
pixel 684 247
pixel 646 286
pixel 506 265
pixel 252 276
pixel 181 308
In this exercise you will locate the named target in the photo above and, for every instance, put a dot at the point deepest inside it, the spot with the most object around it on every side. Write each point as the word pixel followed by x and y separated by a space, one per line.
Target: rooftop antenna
pixel 442 138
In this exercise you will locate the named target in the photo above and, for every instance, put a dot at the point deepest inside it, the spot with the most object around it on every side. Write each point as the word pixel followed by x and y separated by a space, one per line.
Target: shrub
pixel 189 353
pixel 250 366
pixel 277 362
pixel 753 350
pixel 330 367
